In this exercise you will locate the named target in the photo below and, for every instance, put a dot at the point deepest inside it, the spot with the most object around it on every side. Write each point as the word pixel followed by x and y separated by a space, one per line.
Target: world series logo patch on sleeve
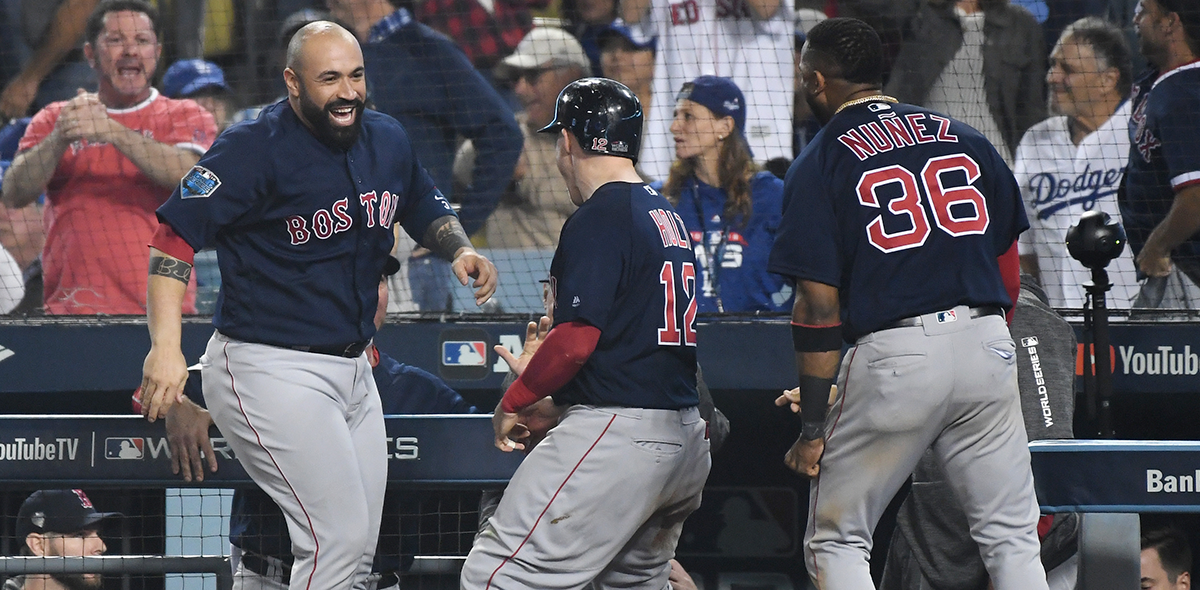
pixel 198 183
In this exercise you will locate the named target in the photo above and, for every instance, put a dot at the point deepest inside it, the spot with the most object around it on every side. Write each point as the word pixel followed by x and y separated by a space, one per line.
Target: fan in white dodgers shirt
pixel 1073 162
pixel 750 41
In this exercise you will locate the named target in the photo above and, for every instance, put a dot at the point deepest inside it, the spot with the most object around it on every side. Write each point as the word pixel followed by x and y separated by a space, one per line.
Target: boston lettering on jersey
pixel 891 132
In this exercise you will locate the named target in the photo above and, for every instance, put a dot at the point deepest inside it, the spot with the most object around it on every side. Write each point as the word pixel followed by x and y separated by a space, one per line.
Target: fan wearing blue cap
pixel 60 523
pixel 203 82
pixel 728 203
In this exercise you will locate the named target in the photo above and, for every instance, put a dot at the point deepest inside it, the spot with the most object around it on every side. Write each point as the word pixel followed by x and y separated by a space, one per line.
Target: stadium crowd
pixel 471 83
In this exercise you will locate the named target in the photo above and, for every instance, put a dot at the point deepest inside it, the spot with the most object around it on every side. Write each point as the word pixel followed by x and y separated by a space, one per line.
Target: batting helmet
pixel 605 115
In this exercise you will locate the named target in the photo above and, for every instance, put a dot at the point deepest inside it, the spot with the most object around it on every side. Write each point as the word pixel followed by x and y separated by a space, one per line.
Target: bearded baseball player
pixel 899 228
pixel 601 500
pixel 299 204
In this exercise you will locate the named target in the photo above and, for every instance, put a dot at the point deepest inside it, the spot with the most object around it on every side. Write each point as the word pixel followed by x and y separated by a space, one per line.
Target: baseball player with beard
pixel 299 204
pixel 601 500
pixel 899 228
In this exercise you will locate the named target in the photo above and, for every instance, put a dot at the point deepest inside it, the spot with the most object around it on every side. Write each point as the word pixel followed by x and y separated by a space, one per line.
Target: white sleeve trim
pixel 1185 178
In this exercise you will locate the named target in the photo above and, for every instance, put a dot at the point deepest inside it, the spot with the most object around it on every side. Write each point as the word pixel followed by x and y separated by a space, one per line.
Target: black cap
pixel 58 511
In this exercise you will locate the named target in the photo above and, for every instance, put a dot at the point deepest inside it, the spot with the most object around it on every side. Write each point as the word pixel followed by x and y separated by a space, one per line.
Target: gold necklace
pixel 865 99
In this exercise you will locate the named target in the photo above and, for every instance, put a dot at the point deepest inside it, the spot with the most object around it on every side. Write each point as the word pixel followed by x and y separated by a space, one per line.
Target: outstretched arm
pixel 446 238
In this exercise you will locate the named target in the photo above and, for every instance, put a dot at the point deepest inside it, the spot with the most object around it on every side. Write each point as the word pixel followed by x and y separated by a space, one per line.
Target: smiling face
pixel 1077 78
pixel 538 89
pixel 1150 22
pixel 124 55
pixel 328 84
pixel 697 131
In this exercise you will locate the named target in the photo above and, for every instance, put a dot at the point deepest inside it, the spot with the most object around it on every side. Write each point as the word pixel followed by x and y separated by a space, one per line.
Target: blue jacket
pixel 423 79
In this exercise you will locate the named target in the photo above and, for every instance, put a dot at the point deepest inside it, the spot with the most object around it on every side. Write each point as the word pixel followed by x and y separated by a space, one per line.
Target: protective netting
pixel 1061 101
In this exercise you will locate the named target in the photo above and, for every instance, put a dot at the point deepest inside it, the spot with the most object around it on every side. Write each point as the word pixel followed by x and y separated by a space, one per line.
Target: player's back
pixel 625 265
pixel 910 209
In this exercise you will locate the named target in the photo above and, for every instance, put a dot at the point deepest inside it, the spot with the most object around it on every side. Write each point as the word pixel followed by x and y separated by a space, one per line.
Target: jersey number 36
pixel 957 210
pixel 678 331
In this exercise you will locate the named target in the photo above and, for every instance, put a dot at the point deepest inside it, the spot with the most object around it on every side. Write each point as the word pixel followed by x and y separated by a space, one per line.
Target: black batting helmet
pixel 605 115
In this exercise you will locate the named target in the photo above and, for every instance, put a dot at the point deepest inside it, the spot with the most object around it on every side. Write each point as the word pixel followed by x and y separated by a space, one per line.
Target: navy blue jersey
pixel 256 524
pixel 302 230
pixel 624 264
pixel 731 254
pixel 1164 152
pixel 904 210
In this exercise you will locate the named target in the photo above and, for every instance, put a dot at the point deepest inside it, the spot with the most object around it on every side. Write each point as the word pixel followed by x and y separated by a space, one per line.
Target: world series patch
pixel 198 183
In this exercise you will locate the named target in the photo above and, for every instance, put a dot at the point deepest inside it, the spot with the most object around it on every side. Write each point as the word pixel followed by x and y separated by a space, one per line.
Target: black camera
pixel 1095 240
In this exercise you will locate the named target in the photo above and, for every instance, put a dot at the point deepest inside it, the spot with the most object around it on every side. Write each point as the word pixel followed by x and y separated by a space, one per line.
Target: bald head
pixel 326 82
pixel 313 37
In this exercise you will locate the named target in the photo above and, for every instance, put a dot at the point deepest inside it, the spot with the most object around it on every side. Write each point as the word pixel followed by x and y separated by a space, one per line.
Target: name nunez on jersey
pixel 891 131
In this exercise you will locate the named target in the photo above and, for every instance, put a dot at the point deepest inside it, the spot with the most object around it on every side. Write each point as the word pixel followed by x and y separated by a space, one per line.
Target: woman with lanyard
pixel 730 206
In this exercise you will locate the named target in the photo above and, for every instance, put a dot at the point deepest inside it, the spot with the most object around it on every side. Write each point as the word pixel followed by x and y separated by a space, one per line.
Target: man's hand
pixel 508 431
pixel 17 96
pixel 805 456
pixel 1154 264
pixel 537 419
pixel 187 434
pixel 163 376
pixel 679 578
pixel 535 333
pixel 472 264
pixel 792 397
pixel 84 117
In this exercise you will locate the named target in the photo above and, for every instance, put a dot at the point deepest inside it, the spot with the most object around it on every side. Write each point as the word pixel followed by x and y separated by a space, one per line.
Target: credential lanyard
pixel 716 251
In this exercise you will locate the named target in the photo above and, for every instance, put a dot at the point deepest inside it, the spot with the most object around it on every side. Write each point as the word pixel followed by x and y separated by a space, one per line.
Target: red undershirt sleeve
pixel 566 348
pixel 166 240
pixel 1010 273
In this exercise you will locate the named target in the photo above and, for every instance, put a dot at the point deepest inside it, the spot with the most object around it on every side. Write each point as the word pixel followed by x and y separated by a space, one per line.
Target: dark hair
pixel 735 170
pixel 1172 547
pixel 1189 16
pixel 95 22
pixel 1109 45
pixel 846 48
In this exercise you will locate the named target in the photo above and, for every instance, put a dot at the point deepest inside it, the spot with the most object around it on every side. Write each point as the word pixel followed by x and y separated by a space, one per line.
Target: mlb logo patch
pixel 945 317
pixel 124 448
pixel 464 353
pixel 198 183
pixel 1030 341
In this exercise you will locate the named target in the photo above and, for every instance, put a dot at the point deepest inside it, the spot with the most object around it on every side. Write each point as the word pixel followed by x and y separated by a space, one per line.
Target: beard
pixel 322 125
pixel 78 581
pixel 818 110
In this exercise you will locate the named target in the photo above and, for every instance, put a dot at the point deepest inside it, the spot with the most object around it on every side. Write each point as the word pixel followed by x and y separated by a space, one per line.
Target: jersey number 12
pixel 678 331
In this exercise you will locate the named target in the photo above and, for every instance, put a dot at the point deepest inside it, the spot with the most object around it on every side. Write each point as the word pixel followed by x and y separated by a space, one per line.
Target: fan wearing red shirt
pixel 106 161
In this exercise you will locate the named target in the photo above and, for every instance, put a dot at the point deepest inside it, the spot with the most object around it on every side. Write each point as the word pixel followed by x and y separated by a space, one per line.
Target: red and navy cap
pixel 58 511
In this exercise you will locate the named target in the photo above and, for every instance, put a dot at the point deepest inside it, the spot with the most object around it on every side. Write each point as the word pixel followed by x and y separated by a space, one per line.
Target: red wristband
pixel 518 397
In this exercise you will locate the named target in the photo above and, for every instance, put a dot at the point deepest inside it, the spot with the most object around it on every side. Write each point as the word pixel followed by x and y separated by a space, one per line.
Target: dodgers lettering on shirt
pixel 903 210
pixel 302 230
pixel 624 264
pixel 1060 181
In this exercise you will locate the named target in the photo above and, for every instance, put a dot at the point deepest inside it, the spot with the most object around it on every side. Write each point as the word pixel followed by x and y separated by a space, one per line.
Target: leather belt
pixel 352 350
pixel 915 321
pixel 267 567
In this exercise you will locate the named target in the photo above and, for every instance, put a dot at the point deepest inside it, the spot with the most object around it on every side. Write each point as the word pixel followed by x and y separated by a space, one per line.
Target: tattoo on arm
pixel 446 236
pixel 174 268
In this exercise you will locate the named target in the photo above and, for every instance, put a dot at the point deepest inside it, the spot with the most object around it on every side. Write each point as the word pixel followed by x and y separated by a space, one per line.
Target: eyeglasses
pixel 532 75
